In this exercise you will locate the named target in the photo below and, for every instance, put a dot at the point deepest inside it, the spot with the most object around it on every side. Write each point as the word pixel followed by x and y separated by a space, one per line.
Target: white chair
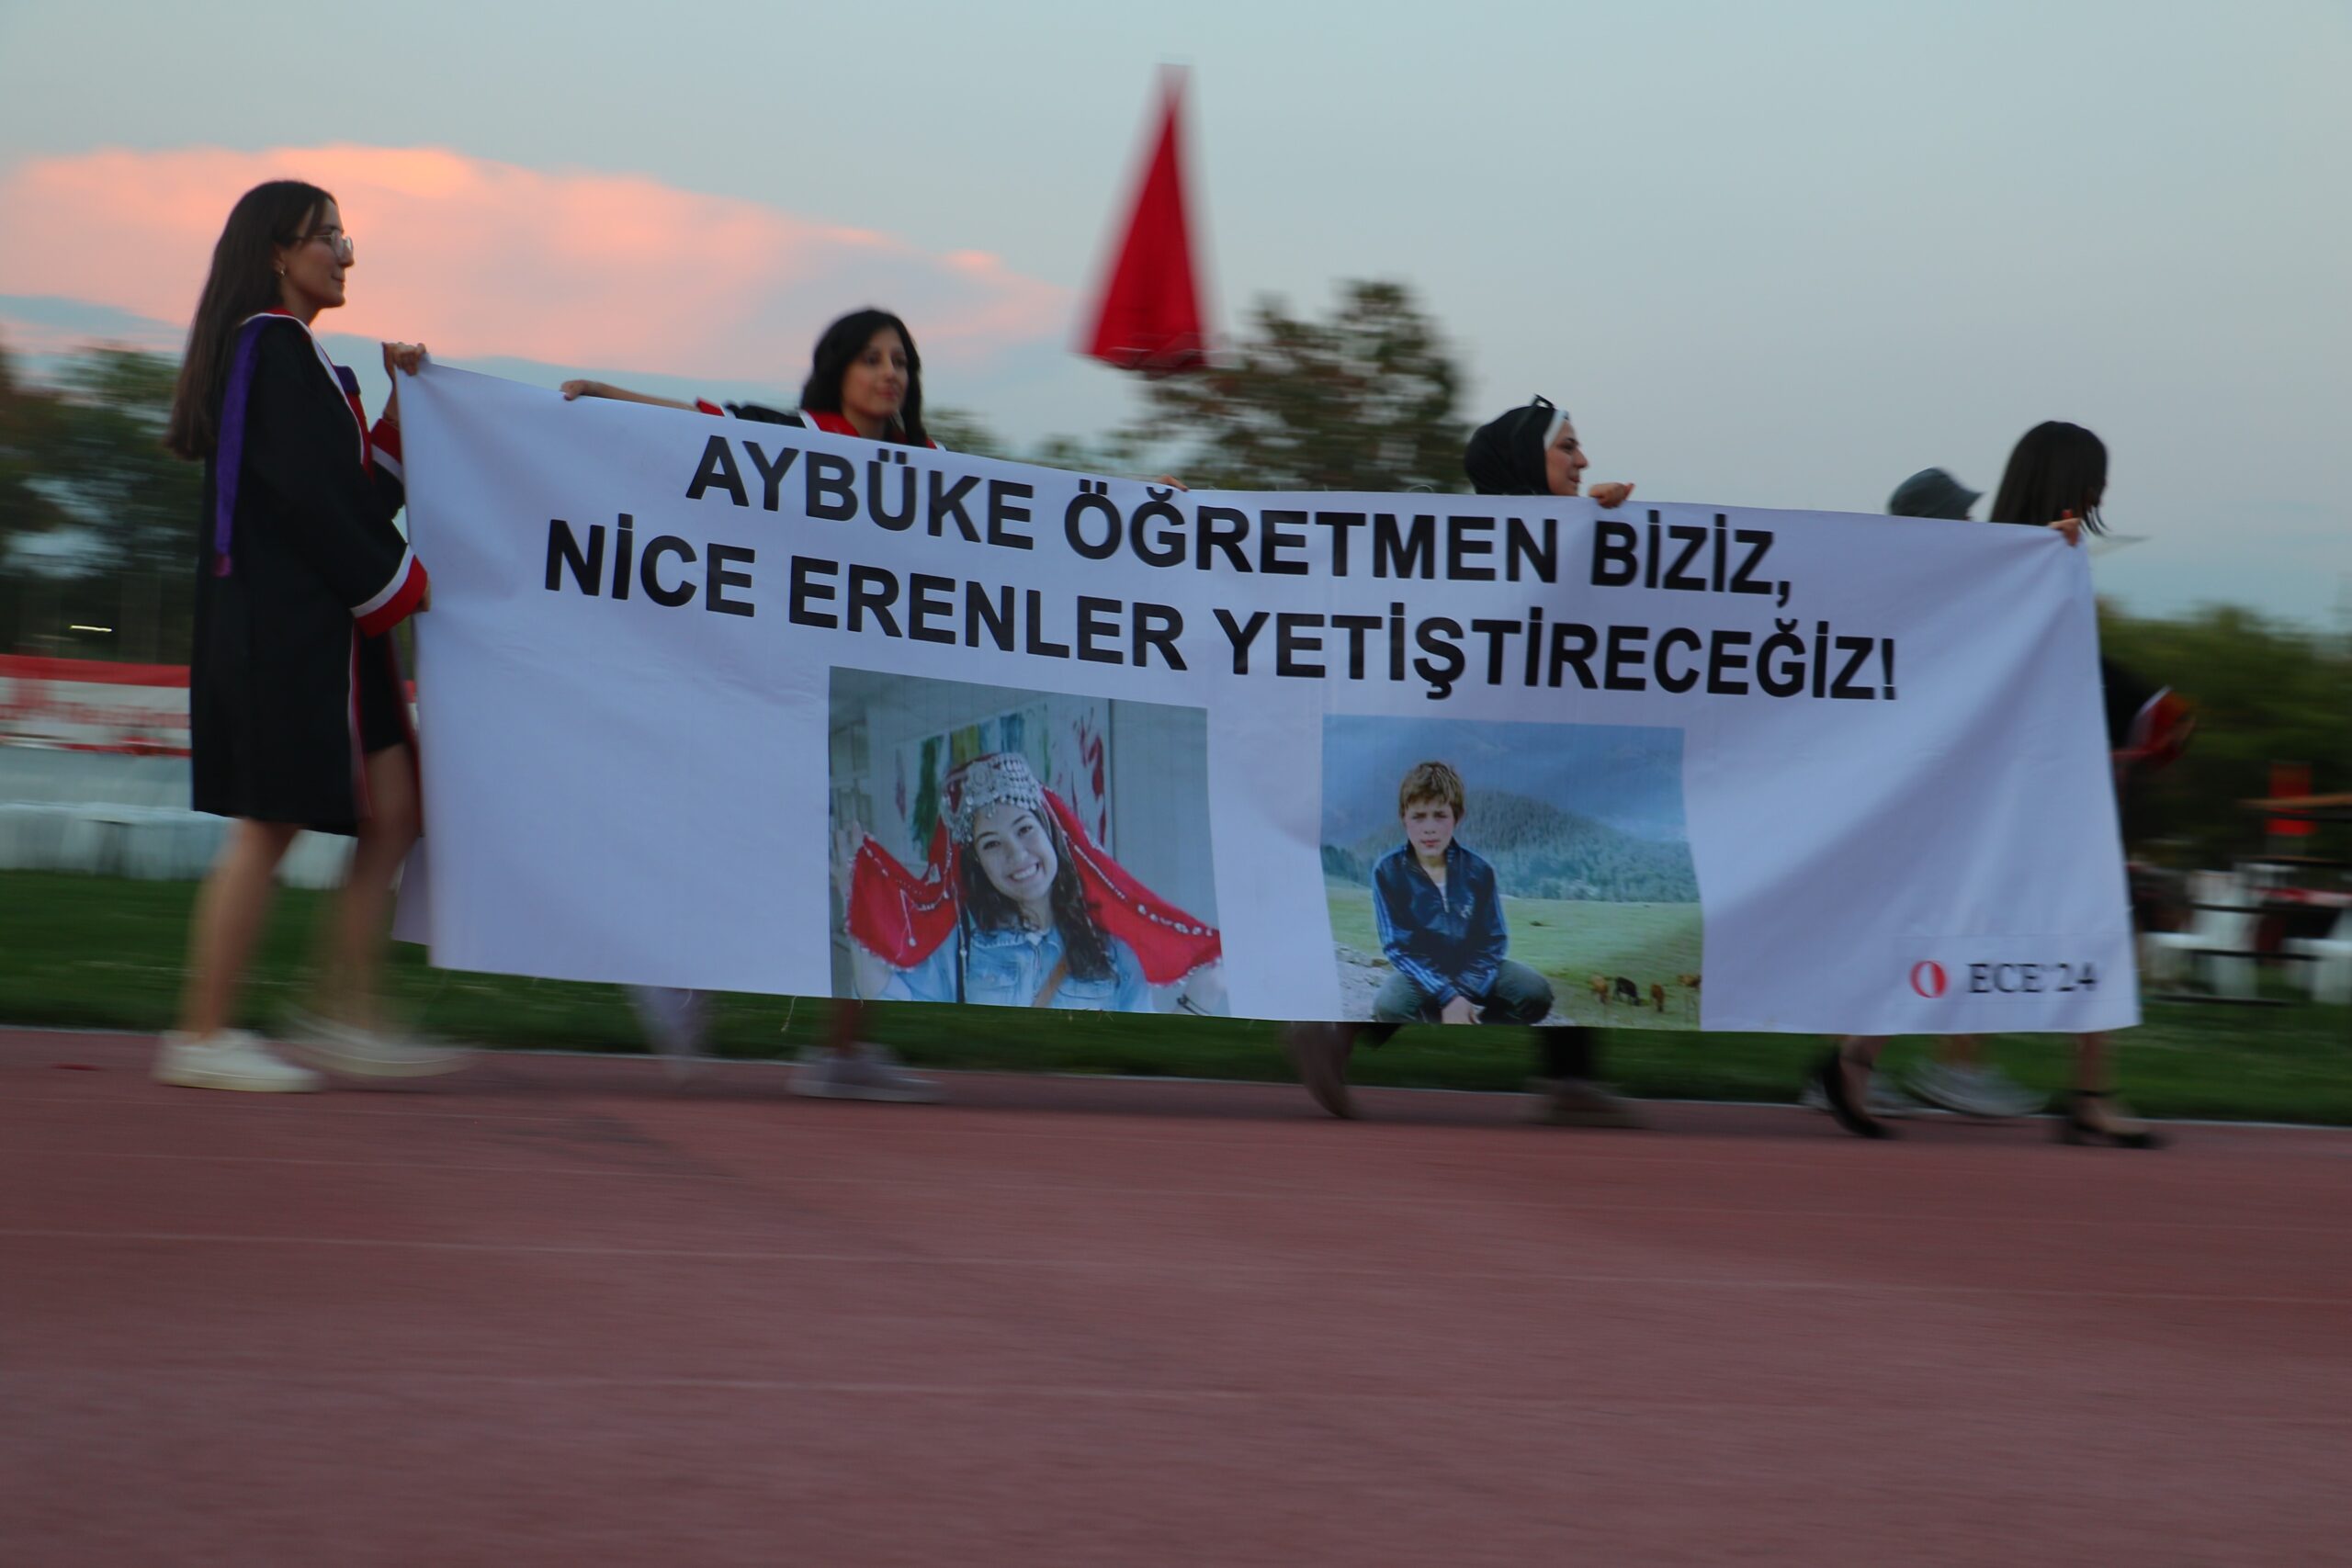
pixel 2218 945
pixel 2328 974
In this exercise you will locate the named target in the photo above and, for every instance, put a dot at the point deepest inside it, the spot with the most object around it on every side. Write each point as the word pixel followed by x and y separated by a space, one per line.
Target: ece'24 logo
pixel 1930 979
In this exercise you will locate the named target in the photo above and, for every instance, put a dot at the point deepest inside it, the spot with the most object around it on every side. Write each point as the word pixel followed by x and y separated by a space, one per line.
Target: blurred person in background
pixel 1957 1078
pixel 2056 478
pixel 864 381
pixel 297 711
pixel 1531 450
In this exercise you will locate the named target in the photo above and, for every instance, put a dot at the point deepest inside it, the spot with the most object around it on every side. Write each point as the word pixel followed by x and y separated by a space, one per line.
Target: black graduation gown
pixel 293 669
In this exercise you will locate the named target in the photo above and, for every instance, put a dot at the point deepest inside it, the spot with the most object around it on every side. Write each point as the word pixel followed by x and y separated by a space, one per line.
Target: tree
pixel 29 422
pixel 82 462
pixel 957 430
pixel 110 469
pixel 2264 693
pixel 1365 399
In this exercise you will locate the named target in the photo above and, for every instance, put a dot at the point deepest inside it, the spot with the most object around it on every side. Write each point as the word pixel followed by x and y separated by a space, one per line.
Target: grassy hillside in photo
pixel 1568 944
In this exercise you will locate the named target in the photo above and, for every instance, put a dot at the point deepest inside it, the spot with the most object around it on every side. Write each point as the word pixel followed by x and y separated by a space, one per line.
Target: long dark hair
pixel 1084 942
pixel 242 282
pixel 2056 469
pixel 839 349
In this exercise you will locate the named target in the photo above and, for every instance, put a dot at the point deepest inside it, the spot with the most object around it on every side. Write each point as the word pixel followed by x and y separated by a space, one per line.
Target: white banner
pixel 744 707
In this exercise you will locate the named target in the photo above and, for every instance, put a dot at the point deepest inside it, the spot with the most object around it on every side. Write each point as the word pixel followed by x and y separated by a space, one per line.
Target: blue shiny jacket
pixel 1451 942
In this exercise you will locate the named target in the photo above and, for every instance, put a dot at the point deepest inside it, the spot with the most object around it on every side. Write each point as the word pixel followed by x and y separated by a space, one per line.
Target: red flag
pixel 1149 316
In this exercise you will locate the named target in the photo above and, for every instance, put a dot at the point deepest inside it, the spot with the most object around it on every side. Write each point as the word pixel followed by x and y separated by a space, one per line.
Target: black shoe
pixel 2073 1127
pixel 1319 1052
pixel 1831 1075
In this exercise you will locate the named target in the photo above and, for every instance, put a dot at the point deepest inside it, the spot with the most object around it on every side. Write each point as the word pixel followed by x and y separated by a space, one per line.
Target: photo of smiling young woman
pixel 1027 933
pixel 1021 915
pixel 972 851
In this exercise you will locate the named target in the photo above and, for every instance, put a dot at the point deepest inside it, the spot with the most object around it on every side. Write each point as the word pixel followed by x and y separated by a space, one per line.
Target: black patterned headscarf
pixel 1506 454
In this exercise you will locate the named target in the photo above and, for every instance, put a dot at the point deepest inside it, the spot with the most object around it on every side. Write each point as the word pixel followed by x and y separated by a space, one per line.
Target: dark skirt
pixel 383 696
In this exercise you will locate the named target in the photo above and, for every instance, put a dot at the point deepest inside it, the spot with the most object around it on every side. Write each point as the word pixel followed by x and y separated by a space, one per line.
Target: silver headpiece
pixel 1001 778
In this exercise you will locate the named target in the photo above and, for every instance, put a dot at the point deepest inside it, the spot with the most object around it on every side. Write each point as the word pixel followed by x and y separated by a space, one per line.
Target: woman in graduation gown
pixel 298 716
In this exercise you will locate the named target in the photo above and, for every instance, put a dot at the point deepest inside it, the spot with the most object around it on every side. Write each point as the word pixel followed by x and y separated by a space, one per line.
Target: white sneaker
pixel 678 1023
pixel 871 1074
pixel 230 1059
pixel 365 1053
pixel 1972 1091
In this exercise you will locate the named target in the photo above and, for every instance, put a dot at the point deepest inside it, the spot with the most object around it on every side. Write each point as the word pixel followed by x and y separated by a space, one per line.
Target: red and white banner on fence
pixel 88 704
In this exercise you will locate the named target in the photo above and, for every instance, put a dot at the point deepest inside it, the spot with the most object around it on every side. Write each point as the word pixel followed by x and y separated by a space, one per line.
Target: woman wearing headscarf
pixel 1532 450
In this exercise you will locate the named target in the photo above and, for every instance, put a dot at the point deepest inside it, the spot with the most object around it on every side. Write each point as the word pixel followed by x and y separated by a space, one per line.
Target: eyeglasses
pixel 334 240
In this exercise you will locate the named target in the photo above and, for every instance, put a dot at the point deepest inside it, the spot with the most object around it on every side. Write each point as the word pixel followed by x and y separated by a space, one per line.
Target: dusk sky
pixel 1768 255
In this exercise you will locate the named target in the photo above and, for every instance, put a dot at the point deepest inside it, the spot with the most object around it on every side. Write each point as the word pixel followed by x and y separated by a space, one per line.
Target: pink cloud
pixel 481 258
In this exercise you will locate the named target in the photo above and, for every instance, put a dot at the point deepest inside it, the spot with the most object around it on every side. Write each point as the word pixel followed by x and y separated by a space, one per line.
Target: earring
pixel 281 272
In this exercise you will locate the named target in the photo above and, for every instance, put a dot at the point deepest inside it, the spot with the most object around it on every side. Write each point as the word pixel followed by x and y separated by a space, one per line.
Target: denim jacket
pixel 1007 968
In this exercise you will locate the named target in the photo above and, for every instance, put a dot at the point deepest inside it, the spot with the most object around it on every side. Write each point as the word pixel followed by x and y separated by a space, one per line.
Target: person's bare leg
pixel 2090 1063
pixel 1845 1077
pixel 348 988
pixel 848 1013
pixel 1858 1057
pixel 2093 1075
pixel 227 924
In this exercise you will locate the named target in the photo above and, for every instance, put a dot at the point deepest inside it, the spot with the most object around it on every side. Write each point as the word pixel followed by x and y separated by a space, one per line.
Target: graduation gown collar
pixel 229 457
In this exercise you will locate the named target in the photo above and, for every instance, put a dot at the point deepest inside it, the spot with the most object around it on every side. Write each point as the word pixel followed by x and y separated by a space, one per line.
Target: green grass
pixel 99 953
pixel 1568 943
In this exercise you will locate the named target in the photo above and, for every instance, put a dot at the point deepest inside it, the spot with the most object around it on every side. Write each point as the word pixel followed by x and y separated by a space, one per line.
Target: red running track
pixel 552 1312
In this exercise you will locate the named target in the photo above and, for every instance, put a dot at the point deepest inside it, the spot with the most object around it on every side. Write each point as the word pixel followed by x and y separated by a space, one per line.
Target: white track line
pixel 1548 1403
pixel 2340 1302
pixel 1055 1184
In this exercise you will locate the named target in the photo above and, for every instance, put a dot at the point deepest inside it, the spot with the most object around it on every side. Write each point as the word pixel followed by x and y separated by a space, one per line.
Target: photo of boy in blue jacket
pixel 1440 919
